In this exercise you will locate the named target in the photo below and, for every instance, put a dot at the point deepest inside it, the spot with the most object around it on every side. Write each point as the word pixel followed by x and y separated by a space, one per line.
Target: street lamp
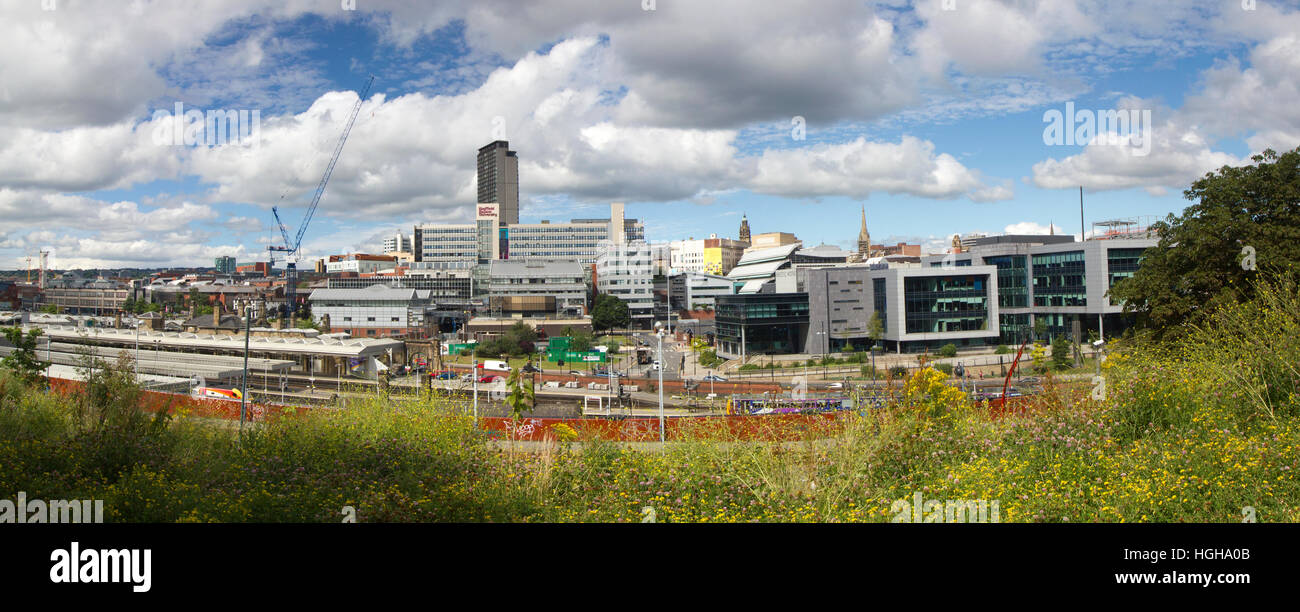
pixel 473 374
pixel 660 334
pixel 137 352
pixel 243 395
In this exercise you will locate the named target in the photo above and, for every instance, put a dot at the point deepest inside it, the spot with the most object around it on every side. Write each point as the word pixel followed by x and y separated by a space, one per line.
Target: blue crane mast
pixel 290 248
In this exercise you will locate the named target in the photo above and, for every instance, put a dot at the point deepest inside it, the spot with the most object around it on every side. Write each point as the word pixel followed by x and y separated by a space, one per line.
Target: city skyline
pixel 936 128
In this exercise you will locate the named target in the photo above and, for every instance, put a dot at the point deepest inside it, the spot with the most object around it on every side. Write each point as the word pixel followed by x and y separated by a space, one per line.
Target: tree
pixel 948 350
pixel 875 328
pixel 521 398
pixel 1061 352
pixel 1039 355
pixel 610 312
pixel 1040 328
pixel 23 362
pixel 1244 221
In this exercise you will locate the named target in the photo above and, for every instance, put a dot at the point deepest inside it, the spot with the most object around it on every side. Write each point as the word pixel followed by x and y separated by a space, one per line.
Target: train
pixel 217 393
pixel 786 405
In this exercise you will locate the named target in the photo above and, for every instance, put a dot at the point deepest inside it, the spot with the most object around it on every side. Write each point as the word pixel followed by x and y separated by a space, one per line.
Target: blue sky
pixel 931 118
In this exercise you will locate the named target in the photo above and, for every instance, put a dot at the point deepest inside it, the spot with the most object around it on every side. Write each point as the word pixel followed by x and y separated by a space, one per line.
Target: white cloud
pixel 858 168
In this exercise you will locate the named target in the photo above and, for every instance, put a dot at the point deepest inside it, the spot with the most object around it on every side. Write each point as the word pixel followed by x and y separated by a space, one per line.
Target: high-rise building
pixel 626 271
pixel 498 180
pixel 224 264
pixel 398 243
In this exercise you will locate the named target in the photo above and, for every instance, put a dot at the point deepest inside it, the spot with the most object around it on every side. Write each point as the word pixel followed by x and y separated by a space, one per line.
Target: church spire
pixel 864 237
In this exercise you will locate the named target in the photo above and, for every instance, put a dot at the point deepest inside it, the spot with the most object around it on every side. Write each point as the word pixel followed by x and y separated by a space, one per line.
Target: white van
pixel 495 366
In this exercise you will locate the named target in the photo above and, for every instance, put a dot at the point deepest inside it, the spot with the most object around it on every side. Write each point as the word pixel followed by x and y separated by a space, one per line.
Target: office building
pixel 224 264
pixel 561 280
pixel 398 243
pixel 697 290
pixel 441 284
pixel 359 263
pixel 760 324
pixel 373 312
pixel 1054 279
pixel 498 180
pixel 626 271
pixel 919 307
pixel 712 255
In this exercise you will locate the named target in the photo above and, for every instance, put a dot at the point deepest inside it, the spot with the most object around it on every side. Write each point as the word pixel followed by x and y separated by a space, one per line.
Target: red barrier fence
pixel 646 429
pixel 176 403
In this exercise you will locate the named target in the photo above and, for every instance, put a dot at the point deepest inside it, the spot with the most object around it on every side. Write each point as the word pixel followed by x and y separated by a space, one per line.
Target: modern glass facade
pixel 881 301
pixel 1059 279
pixel 1013 328
pixel 1013 276
pixel 935 304
pixel 1122 264
pixel 772 323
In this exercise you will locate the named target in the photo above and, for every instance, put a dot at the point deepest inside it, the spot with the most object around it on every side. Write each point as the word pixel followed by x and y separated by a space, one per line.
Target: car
pixel 654 365
pixel 575 373
pixel 490 378
pixel 835 386
pixel 530 368
pixel 1031 380
pixel 445 375
pixel 713 378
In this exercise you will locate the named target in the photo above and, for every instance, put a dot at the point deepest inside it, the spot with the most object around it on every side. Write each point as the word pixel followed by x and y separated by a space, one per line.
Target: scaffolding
pixel 1126 227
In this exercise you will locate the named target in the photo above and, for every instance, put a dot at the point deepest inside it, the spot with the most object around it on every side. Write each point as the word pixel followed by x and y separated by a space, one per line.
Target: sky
pixel 939 117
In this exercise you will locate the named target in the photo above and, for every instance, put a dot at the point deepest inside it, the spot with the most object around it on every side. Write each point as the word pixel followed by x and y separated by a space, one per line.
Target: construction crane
pixel 290 248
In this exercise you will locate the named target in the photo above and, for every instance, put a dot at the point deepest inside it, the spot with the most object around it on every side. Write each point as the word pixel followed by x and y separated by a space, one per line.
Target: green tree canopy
pixel 23 362
pixel 1244 221
pixel 610 312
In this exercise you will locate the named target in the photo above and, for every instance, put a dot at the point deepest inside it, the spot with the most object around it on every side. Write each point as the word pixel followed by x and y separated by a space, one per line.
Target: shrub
pixel 948 350
pixel 946 368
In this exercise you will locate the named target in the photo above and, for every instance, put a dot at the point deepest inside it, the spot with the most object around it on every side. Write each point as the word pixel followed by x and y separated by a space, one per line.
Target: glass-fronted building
pixel 761 324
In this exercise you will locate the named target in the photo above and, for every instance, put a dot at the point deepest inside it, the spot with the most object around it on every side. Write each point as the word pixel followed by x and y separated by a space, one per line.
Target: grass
pixel 1193 432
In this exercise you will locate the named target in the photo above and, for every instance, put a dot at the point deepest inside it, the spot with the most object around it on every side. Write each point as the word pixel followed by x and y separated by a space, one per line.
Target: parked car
pixel 575 373
pixel 445 375
pixel 530 368
pixel 713 378
pixel 491 378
